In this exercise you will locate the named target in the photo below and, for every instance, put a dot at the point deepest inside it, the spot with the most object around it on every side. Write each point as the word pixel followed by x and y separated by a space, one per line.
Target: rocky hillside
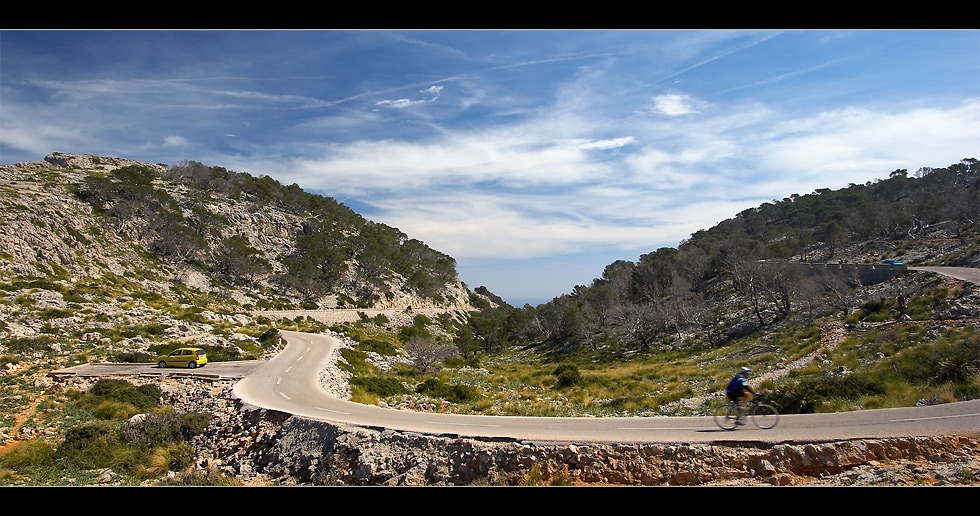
pixel 106 258
pixel 238 240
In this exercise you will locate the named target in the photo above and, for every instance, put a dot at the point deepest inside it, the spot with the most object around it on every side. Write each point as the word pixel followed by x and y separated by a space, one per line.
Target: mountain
pixel 753 271
pixel 107 259
pixel 242 241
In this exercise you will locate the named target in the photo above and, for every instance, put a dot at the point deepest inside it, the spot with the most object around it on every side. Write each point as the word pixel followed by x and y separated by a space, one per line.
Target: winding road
pixel 961 273
pixel 290 383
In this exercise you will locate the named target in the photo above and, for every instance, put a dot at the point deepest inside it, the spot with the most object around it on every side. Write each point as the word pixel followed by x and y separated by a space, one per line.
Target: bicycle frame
pixel 763 415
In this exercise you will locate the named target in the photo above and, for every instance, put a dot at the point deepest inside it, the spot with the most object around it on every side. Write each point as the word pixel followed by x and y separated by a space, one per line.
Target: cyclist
pixel 738 389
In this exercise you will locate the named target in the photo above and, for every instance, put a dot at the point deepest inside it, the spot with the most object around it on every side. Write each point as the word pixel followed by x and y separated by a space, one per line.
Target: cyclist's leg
pixel 740 407
pixel 743 400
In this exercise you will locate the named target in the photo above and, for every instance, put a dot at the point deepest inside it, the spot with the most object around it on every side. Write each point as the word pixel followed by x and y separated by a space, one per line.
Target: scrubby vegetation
pixel 120 429
pixel 678 323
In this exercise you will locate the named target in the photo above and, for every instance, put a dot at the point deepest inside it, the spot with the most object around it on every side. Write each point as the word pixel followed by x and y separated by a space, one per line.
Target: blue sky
pixel 535 158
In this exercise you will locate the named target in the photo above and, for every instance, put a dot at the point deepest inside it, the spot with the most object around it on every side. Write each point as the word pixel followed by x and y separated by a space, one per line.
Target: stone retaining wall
pixel 292 449
pixel 866 274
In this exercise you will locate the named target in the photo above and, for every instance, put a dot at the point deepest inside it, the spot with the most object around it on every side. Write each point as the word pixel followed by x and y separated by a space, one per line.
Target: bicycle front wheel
pixel 765 416
pixel 726 417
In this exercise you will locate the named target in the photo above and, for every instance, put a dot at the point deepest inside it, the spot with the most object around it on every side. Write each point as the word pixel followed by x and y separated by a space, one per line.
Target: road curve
pixel 290 383
pixel 961 273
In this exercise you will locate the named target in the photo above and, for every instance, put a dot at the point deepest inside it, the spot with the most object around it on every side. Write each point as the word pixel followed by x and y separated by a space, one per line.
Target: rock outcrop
pixel 48 230
pixel 260 446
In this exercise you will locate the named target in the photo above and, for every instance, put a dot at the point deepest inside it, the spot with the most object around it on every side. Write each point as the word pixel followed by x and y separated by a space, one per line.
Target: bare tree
pixel 637 322
pixel 427 354
pixel 837 286
pixel 780 282
pixel 747 279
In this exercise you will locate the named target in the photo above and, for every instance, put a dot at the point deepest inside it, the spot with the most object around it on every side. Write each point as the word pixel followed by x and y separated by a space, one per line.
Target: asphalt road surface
pixel 961 273
pixel 231 370
pixel 290 383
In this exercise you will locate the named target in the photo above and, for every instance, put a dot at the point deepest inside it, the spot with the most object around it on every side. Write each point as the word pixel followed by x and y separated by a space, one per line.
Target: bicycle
pixel 763 415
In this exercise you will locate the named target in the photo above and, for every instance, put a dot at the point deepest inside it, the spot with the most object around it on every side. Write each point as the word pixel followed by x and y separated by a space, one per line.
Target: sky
pixel 534 158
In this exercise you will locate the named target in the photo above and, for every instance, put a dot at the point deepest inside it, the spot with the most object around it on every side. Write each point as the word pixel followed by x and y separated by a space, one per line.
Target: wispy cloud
pixel 432 92
pixel 510 193
pixel 676 104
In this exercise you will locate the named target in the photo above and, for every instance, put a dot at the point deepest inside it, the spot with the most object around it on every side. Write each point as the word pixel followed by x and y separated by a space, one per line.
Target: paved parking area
pixel 239 369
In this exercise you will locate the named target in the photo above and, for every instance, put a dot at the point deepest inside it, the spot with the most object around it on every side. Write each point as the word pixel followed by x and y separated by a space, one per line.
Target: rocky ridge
pixel 47 231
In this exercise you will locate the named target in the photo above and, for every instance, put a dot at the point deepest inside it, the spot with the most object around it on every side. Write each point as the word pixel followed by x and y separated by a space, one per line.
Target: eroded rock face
pixel 310 452
pixel 48 231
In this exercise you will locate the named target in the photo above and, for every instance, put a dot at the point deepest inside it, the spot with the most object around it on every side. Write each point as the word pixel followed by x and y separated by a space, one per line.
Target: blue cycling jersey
pixel 737 386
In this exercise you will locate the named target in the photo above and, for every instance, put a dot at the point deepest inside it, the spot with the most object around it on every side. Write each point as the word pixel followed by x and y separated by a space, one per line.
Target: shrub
pixel 808 394
pixel 194 423
pixel 270 337
pixel 454 393
pixel 91 445
pixel 381 347
pixel 134 357
pixel 142 398
pixel 114 409
pixel 568 375
pixel 27 345
pixel 209 477
pixel 380 386
pixel 31 455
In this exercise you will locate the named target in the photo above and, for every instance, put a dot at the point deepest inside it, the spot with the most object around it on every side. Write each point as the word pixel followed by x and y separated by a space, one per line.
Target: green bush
pixel 380 386
pixel 142 398
pixel 114 409
pixel 568 375
pixel 269 337
pixel 453 393
pixel 194 423
pixel 145 447
pixel 381 347
pixel 140 448
pixel 951 359
pixel 202 478
pixel 32 455
pixel 134 357
pixel 808 394
pixel 27 345
pixel 91 445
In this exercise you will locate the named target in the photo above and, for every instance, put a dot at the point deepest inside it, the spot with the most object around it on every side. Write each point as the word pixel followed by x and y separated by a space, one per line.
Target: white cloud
pixel 483 225
pixel 175 141
pixel 434 91
pixel 607 144
pixel 521 192
pixel 510 158
pixel 838 147
pixel 676 104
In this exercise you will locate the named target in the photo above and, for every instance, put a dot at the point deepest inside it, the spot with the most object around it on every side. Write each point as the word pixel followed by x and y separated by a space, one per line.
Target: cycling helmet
pixel 745 370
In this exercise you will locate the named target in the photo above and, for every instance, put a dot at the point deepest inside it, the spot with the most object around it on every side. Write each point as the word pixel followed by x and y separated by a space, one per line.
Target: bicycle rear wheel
pixel 726 417
pixel 765 416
